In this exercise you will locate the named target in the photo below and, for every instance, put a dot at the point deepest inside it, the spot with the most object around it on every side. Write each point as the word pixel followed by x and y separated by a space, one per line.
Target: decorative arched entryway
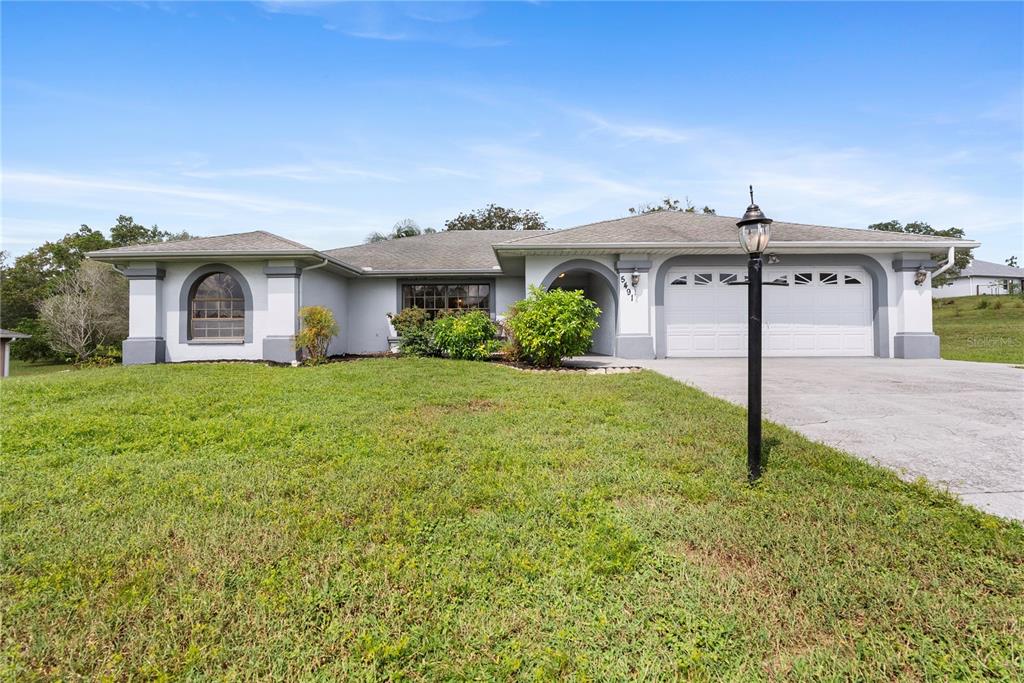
pixel 598 283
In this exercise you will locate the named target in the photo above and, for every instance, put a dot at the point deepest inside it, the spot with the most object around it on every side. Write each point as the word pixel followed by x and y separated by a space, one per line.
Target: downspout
pixel 946 265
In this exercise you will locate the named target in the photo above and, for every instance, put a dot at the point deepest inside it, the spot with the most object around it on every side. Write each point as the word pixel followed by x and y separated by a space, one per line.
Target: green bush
pixel 415 332
pixel 466 336
pixel 983 303
pixel 37 346
pixel 549 326
pixel 318 327
pixel 105 356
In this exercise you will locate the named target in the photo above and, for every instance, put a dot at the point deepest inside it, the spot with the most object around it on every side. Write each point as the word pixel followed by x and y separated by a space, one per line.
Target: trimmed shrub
pixel 415 332
pixel 549 326
pixel 466 336
pixel 318 328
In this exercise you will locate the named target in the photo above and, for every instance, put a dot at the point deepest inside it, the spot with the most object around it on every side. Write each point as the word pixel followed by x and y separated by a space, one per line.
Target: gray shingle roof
pixel 456 250
pixel 257 241
pixel 988 269
pixel 673 227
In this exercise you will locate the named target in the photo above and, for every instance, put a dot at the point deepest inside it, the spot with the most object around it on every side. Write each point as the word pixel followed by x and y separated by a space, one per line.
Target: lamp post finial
pixel 751 194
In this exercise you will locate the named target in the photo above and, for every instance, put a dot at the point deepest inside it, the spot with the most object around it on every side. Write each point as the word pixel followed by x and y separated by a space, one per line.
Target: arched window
pixel 216 307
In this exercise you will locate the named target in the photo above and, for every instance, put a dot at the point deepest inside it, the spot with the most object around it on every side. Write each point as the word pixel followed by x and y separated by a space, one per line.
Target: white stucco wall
pixel 508 290
pixel 321 287
pixel 145 308
pixel 369 300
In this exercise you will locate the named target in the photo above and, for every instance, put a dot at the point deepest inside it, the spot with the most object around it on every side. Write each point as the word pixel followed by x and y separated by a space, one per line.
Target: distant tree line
pixel 962 258
pixel 491 217
pixel 69 305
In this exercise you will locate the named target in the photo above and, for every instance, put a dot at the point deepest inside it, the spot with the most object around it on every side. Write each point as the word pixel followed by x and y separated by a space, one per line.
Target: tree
pixel 126 231
pixel 669 204
pixel 406 227
pixel 1012 261
pixel 88 307
pixel 495 217
pixel 32 276
pixel 961 258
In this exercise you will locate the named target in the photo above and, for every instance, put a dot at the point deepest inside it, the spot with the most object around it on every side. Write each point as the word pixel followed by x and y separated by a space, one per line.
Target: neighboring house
pixel 6 337
pixel 982 277
pixel 662 281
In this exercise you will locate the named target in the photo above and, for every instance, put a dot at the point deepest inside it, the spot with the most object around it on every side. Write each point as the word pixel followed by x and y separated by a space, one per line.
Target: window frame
pixel 448 283
pixel 236 304
pixel 189 285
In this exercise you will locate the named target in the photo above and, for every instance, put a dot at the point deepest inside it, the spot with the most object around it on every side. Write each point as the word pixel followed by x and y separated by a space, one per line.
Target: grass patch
pixel 429 519
pixel 981 328
pixel 24 368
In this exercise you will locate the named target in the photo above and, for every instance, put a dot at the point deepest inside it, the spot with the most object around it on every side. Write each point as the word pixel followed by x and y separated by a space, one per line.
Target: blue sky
pixel 323 122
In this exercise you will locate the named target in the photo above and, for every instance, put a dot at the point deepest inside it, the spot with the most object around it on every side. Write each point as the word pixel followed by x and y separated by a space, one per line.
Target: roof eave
pixel 105 257
pixel 613 247
pixel 475 272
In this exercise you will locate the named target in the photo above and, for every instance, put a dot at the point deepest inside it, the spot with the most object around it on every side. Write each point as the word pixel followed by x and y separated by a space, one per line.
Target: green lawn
pixel 969 332
pixel 23 368
pixel 439 520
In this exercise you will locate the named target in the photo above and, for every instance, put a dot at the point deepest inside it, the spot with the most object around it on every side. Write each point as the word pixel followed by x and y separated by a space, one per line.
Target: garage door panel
pixel 820 312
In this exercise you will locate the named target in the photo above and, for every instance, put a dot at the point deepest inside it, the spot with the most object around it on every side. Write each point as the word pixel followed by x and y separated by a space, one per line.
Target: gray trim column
pixel 143 273
pixel 902 264
pixel 915 345
pixel 143 350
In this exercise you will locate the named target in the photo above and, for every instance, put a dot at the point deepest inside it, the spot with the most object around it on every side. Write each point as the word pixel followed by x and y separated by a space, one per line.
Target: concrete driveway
pixel 958 424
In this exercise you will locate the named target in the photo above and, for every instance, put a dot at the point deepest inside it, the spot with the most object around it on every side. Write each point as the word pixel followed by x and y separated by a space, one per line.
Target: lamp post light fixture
pixel 755 231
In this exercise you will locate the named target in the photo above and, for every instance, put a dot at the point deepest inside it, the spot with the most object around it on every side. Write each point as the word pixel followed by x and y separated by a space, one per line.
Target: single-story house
pixel 6 337
pixel 662 281
pixel 983 277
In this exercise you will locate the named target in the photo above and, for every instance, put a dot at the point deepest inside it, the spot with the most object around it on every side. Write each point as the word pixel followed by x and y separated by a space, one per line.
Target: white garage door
pixel 822 312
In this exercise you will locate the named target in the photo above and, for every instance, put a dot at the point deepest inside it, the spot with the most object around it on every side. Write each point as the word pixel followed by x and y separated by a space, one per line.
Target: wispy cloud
pixel 313 172
pixel 635 131
pixel 441 22
pixel 55 187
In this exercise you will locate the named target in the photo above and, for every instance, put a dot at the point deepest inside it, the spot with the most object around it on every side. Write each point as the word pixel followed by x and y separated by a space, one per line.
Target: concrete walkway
pixel 958 424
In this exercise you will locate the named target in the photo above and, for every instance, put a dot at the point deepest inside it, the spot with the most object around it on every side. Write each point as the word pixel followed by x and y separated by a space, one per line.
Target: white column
pixel 282 310
pixel 914 337
pixel 146 341
pixel 634 338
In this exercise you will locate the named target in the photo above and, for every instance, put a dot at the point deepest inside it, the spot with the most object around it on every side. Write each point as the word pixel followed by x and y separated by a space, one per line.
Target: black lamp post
pixel 755 231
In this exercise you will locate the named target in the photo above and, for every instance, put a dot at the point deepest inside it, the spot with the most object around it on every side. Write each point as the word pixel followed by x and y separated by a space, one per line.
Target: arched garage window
pixel 216 307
